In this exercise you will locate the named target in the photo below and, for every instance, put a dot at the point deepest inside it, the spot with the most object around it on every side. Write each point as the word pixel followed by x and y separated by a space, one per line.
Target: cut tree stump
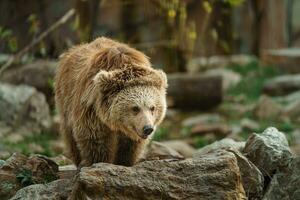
pixel 194 91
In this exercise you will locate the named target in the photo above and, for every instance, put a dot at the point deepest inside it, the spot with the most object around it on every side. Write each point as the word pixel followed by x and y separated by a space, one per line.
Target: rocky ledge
pixel 261 168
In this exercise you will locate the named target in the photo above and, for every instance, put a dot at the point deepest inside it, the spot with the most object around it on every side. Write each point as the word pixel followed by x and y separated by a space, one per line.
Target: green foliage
pixel 201 141
pixel 7 36
pixel 24 176
pixel 42 139
pixel 235 2
pixel 51 83
pixel 49 178
pixel 34 24
pixel 253 79
pixel 160 134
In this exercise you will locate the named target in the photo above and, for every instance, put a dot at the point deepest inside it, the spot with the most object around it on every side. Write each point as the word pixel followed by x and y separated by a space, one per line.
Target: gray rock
pixel 226 143
pixel 269 151
pixel 229 78
pixel 181 147
pixel 39 74
pixel 292 110
pixel 19 171
pixel 252 178
pixel 267 108
pixel 249 125
pixel 282 85
pixel 26 110
pixel 215 176
pixel 202 119
pixel 285 59
pixel 202 63
pixel 288 99
pixel 157 151
pixel 56 190
pixel 285 185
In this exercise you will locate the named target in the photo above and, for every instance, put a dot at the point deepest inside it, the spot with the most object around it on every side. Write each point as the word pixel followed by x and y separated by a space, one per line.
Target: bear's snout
pixel 147 130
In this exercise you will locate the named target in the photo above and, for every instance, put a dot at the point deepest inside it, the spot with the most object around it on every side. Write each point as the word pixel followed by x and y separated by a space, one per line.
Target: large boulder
pixel 214 176
pixel 269 151
pixel 252 178
pixel 282 85
pixel 285 185
pixel 26 110
pixel 56 190
pixel 19 171
pixel 225 144
pixel 39 74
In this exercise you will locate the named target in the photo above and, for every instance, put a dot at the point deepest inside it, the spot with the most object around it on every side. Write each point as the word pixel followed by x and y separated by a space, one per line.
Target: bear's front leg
pixel 129 151
pixel 95 150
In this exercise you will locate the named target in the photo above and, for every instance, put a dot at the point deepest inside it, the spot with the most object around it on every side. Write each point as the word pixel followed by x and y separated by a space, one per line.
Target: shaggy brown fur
pixel 96 86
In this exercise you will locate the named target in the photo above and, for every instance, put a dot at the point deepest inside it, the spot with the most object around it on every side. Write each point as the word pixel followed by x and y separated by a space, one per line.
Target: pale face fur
pixel 136 107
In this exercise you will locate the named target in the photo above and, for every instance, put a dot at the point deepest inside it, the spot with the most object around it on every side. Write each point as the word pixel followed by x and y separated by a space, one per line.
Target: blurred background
pixel 232 65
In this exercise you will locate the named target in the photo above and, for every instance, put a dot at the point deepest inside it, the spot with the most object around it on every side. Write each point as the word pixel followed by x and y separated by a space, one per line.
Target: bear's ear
pixel 103 78
pixel 163 77
pixel 95 88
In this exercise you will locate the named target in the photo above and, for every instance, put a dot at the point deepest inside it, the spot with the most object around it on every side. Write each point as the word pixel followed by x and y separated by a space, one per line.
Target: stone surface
pixel 226 143
pixel 236 109
pixel 268 151
pixel 285 185
pixel 292 111
pixel 267 108
pixel 206 124
pixel 217 129
pixel 39 74
pixel 249 125
pixel 203 63
pixel 229 77
pixel 252 178
pixel 181 147
pixel 202 119
pixel 286 59
pixel 19 171
pixel 56 190
pixel 26 110
pixel 158 151
pixel 282 85
pixel 215 176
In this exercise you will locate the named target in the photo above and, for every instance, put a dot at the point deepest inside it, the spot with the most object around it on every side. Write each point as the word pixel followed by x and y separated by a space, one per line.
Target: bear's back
pixel 79 65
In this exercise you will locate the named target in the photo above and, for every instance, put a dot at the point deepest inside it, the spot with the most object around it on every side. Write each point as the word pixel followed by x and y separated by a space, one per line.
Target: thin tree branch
pixel 17 57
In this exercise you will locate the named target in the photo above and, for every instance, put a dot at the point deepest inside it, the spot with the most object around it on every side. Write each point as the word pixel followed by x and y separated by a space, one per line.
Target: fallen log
pixel 194 91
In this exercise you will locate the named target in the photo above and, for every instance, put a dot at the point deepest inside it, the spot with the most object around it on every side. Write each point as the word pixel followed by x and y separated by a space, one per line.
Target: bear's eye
pixel 136 109
pixel 152 108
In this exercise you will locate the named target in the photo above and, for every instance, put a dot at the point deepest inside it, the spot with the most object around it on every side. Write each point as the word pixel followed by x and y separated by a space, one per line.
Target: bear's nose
pixel 147 130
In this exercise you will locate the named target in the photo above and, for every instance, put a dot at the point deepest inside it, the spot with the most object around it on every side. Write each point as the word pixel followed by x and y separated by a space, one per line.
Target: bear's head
pixel 130 100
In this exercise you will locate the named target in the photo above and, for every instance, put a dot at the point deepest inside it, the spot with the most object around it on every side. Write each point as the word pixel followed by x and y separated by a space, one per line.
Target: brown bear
pixel 110 101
